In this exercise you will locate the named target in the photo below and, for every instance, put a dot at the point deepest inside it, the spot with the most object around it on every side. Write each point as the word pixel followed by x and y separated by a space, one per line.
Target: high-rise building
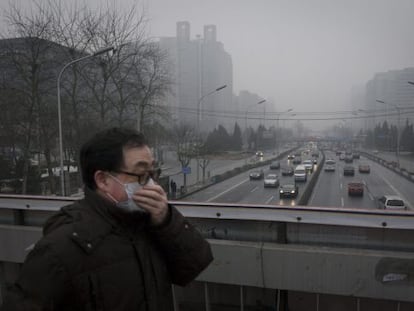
pixel 199 66
pixel 393 89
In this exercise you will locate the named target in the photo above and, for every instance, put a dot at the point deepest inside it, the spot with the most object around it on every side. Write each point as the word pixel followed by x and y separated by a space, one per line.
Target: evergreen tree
pixel 407 137
pixel 236 140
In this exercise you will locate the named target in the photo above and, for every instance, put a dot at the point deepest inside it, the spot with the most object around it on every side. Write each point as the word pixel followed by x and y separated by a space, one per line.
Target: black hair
pixel 104 151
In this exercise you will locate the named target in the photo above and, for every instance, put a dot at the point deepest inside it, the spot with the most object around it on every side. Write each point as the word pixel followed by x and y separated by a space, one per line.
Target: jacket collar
pixel 105 217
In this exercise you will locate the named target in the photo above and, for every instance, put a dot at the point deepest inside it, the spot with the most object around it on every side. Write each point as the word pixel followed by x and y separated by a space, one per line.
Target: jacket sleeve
pixel 186 252
pixel 39 285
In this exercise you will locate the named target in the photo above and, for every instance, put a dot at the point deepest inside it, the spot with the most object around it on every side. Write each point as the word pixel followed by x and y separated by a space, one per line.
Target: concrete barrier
pixel 391 165
pixel 304 199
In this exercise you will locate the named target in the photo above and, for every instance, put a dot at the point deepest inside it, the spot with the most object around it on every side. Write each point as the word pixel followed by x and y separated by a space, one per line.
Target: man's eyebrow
pixel 144 164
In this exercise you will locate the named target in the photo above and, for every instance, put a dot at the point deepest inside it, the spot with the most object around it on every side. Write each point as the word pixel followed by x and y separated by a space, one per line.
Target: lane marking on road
pixel 254 189
pixel 342 201
pixel 396 191
pixel 225 191
pixel 340 185
pixel 270 199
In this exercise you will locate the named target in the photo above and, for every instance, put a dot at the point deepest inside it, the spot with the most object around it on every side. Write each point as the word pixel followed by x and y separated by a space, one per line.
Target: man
pixel 120 247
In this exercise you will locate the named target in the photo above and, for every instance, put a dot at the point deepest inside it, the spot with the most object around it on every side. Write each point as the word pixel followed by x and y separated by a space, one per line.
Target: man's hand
pixel 153 199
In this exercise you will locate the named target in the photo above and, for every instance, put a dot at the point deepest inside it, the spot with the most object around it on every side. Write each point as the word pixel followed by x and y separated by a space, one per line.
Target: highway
pixel 240 189
pixel 331 189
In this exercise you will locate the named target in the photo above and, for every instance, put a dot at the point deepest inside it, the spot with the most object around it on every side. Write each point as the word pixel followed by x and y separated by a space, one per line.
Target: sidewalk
pixel 172 168
pixel 215 167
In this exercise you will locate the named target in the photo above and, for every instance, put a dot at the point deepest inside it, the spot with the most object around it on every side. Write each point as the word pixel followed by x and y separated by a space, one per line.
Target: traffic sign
pixel 186 170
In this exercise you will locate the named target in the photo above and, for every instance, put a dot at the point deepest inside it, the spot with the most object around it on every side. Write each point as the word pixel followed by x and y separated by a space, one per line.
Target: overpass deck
pixel 268 254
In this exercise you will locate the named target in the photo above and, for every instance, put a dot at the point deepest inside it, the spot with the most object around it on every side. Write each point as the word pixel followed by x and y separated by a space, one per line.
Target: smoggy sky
pixel 300 54
pixel 303 54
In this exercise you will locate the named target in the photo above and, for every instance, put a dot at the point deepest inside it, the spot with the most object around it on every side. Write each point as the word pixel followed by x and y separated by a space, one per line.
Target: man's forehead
pixel 138 157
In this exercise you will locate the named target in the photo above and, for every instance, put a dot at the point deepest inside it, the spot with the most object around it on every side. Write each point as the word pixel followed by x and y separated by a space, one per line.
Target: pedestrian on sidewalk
pixel 173 188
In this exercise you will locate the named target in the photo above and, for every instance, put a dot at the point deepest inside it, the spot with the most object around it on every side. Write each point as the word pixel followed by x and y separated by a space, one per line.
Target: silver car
pixel 271 180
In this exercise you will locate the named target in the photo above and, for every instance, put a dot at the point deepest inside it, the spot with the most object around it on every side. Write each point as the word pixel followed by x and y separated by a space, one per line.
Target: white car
pixel 330 165
pixel 391 202
pixel 271 180
pixel 308 165
pixel 300 174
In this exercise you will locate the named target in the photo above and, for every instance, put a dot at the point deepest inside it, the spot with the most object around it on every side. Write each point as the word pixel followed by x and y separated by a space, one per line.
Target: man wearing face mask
pixel 119 248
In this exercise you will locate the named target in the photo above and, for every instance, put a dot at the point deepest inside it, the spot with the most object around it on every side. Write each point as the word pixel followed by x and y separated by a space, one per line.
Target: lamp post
pixel 199 120
pixel 245 118
pixel 247 109
pixel 277 128
pixel 398 127
pixel 288 116
pixel 105 50
pixel 199 104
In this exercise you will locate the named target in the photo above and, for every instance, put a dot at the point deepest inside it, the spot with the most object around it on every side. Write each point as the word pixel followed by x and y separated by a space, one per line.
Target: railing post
pixel 175 304
pixel 206 297
pixel 241 298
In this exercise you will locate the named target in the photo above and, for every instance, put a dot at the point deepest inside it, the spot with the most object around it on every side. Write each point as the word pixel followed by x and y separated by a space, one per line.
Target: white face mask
pixel 129 205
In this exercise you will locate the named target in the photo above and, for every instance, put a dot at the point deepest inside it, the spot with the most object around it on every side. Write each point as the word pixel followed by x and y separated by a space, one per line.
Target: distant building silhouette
pixel 199 66
pixel 393 88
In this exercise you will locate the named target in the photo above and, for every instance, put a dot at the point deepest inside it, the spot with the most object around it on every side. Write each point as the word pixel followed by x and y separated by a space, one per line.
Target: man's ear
pixel 101 180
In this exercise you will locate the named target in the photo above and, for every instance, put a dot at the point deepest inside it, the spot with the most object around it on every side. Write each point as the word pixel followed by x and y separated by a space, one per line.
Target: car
pixel 288 190
pixel 364 168
pixel 349 170
pixel 271 180
pixel 297 160
pixel 256 174
pixel 301 173
pixel 315 154
pixel 308 165
pixel 356 188
pixel 274 165
pixel 291 156
pixel 9 185
pixel 349 158
pixel 330 165
pixel 287 171
pixel 342 156
pixel 259 154
pixel 391 202
pixel 356 155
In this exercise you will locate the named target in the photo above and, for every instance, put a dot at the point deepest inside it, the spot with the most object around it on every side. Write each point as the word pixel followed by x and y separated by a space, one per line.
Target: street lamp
pixel 277 128
pixel 105 50
pixel 247 109
pixel 288 116
pixel 199 104
pixel 199 120
pixel 398 127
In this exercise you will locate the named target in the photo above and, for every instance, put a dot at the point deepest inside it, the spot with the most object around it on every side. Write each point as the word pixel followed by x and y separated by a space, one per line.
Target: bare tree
pixel 184 137
pixel 30 62
pixel 101 92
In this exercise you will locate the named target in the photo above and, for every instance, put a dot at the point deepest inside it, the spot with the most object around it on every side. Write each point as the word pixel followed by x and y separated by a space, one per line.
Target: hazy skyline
pixel 305 55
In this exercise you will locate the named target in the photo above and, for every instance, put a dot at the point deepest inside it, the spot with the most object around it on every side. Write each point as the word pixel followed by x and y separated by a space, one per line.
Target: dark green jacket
pixel 95 257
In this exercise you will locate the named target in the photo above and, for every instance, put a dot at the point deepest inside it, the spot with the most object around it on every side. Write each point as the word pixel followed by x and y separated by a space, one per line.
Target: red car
pixel 356 188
